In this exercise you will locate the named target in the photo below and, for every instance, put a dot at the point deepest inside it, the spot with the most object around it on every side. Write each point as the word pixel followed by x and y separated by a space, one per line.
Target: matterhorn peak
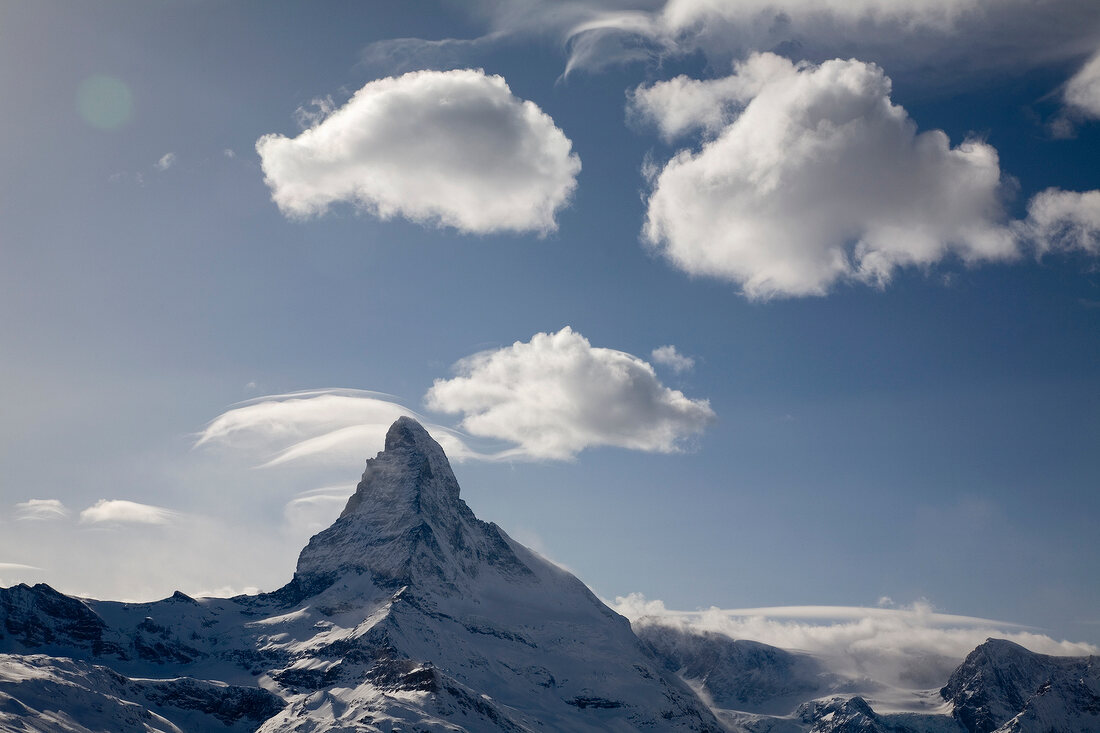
pixel 406 522
pixel 412 473
pixel 407 433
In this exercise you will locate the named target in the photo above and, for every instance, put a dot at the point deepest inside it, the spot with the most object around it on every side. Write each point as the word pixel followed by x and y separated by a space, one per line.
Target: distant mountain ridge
pixel 410 614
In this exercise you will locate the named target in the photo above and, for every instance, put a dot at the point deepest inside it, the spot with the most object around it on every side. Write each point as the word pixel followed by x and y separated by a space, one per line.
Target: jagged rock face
pixel 38 692
pixel 406 524
pixel 40 616
pixel 1003 686
pixel 839 715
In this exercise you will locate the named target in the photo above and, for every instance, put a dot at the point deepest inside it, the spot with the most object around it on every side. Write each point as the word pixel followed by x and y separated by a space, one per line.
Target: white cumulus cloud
pixel 1064 220
pixel 452 148
pixel 682 104
pixel 908 647
pixel 819 179
pixel 556 395
pixel 125 512
pixel 166 161
pixel 40 509
pixel 668 356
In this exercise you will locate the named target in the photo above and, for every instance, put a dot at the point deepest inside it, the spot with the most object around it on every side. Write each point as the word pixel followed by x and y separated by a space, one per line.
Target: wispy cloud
pixel 311 511
pixel 166 161
pixel 121 511
pixel 920 35
pixel 556 395
pixel 1082 91
pixel 451 148
pixel 40 509
pixel 332 427
pixel 911 647
pixel 5 566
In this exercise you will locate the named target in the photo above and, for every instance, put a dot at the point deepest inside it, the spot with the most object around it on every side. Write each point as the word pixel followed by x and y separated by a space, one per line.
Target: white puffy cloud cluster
pixel 1082 91
pixel 121 511
pixel 1065 221
pixel 452 148
pixel 909 647
pixel 817 179
pixel 556 395
pixel 682 104
pixel 668 356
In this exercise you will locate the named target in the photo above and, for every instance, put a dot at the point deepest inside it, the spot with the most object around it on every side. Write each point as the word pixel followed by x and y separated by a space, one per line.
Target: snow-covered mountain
pixel 410 614
pixel 1005 688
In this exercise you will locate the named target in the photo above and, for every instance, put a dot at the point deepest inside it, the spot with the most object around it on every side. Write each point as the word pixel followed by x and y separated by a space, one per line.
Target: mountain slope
pixel 1002 686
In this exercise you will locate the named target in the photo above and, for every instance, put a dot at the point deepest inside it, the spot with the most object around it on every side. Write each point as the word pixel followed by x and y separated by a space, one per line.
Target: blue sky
pixel 913 417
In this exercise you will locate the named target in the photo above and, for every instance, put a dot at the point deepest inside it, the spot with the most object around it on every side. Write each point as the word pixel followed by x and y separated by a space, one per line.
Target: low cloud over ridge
pixel 556 395
pixel 895 646
pixel 452 148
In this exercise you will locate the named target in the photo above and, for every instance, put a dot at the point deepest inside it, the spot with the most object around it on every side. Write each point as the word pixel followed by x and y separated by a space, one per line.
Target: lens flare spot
pixel 104 102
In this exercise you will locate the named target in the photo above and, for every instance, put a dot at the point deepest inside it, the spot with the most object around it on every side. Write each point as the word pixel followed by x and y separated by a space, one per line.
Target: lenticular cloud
pixel 450 148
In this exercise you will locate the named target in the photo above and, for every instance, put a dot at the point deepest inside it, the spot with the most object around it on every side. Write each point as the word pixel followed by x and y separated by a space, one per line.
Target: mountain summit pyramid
pixel 430 616
pixel 406 525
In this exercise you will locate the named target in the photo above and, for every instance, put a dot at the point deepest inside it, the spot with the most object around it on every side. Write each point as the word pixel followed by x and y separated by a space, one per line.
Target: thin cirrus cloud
pixel 818 178
pixel 1082 92
pixel 311 511
pixel 16 566
pixel 555 395
pixel 40 510
pixel 121 511
pixel 922 34
pixel 891 645
pixel 449 148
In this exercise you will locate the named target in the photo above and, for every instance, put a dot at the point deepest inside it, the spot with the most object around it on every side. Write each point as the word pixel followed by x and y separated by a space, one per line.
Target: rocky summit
pixel 410 614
